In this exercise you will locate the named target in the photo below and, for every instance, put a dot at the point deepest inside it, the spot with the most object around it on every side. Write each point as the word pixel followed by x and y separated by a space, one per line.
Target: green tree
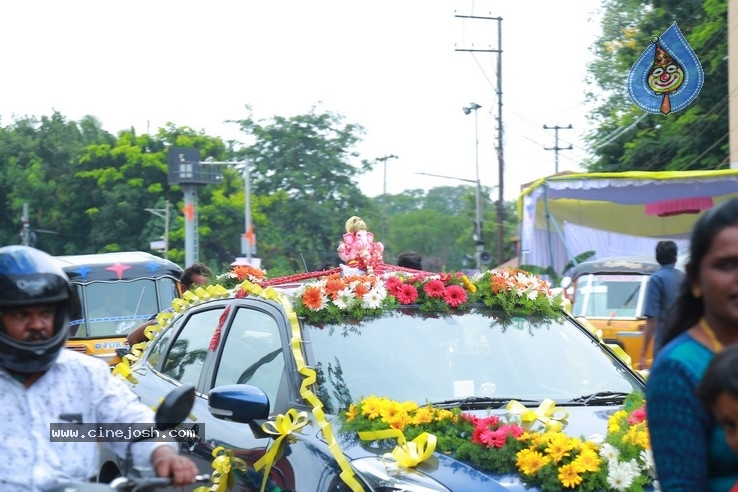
pixel 625 137
pixel 37 167
pixel 308 165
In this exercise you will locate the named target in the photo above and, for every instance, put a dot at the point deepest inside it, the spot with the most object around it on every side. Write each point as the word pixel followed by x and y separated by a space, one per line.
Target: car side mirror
pixel 238 402
pixel 175 408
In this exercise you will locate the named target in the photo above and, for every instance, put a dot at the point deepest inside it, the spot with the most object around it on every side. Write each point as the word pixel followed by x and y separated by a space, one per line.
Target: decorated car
pixel 373 377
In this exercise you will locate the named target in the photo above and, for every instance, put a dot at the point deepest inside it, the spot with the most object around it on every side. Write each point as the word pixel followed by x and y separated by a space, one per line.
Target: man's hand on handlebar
pixel 167 463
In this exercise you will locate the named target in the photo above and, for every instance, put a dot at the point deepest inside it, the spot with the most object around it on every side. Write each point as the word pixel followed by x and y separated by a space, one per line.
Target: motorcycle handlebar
pixel 148 483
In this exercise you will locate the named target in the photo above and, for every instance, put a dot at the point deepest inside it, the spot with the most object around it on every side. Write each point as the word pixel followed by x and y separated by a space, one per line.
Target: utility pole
pixel 500 133
pixel 556 147
pixel 384 160
pixel 164 214
pixel 733 81
pixel 25 233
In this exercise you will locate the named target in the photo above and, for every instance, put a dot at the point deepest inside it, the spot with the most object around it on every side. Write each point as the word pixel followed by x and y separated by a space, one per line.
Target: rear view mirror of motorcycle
pixel 175 407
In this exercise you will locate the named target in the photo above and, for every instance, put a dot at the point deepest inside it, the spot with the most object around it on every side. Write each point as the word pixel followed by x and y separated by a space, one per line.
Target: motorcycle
pixel 174 409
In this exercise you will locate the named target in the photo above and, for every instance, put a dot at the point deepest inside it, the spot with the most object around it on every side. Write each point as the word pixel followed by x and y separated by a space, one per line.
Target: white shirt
pixel 75 384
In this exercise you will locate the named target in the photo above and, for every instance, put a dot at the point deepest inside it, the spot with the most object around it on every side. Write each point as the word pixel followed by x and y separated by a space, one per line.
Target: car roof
pixel 134 264
pixel 635 264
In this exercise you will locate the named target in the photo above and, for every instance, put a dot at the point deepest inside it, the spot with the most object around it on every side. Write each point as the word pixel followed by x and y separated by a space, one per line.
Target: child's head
pixel 718 392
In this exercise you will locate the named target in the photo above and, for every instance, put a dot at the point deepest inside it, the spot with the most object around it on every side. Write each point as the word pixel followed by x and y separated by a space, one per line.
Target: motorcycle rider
pixel 41 382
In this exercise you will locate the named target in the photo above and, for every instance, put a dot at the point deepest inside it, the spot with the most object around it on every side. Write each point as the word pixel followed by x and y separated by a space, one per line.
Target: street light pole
pixel 384 160
pixel 247 193
pixel 249 239
pixel 478 239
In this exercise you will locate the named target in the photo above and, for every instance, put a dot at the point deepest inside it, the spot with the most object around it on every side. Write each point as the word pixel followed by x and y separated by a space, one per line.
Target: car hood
pixel 588 422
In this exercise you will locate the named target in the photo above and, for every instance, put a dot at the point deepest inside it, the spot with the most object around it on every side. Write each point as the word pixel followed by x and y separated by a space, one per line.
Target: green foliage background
pixel 88 190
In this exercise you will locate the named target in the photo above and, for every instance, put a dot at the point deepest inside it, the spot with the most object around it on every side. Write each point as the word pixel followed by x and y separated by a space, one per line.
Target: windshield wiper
pixel 473 402
pixel 600 397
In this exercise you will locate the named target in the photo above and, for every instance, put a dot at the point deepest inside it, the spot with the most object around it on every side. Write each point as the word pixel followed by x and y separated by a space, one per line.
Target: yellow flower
pixel 424 415
pixel 398 420
pixel 638 436
pixel 371 407
pixel 530 461
pixel 613 424
pixel 468 284
pixel 351 413
pixel 558 447
pixel 569 476
pixel 588 461
pixel 444 414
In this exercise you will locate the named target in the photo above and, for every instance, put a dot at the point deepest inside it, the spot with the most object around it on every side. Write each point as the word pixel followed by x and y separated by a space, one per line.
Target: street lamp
pixel 248 240
pixel 478 239
pixel 384 160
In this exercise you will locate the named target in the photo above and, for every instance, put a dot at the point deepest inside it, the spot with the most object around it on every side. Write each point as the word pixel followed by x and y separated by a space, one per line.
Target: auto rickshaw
pixel 611 294
pixel 115 293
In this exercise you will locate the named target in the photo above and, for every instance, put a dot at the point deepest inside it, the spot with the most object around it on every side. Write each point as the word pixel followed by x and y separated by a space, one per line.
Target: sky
pixel 398 68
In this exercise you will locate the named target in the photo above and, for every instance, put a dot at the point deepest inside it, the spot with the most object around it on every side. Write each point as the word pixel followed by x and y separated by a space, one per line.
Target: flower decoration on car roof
pixel 339 299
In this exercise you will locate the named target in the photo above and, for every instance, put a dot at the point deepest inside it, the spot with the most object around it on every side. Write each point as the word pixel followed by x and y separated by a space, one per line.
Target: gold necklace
pixel 716 345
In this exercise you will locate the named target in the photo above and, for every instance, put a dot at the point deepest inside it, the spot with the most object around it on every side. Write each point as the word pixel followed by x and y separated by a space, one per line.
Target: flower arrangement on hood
pixel 549 460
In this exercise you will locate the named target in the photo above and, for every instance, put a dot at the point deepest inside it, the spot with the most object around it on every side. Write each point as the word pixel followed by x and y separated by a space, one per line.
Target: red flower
pixel 435 288
pixel 455 295
pixel 495 438
pixel 406 294
pixel 393 285
pixel 637 416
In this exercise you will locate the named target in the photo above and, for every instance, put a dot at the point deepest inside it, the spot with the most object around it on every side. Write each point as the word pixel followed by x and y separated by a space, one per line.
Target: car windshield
pixel 470 355
pixel 610 296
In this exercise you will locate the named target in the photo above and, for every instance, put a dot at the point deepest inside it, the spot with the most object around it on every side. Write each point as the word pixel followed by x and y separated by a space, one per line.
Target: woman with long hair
pixel 689 448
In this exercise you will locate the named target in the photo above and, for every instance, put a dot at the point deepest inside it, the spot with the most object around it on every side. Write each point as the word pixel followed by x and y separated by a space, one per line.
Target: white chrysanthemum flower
pixel 373 299
pixel 608 452
pixel 345 299
pixel 620 475
pixel 532 294
pixel 647 459
pixel 634 466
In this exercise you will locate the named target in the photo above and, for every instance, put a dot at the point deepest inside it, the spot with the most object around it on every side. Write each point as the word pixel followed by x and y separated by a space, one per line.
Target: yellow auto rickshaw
pixel 116 292
pixel 611 293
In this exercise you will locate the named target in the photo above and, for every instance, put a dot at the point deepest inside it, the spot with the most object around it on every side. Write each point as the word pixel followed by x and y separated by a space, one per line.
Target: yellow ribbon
pixel 552 417
pixel 223 463
pixel 283 426
pixel 309 377
pixel 406 454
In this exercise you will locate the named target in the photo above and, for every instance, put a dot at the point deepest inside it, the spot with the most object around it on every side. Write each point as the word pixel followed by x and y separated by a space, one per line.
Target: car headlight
pixel 385 476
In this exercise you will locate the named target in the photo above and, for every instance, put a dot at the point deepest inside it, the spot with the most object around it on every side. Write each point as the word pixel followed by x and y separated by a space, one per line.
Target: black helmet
pixel 30 277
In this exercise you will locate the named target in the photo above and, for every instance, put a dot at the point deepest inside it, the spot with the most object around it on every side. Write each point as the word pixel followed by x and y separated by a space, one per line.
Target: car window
pixel 252 352
pixel 609 295
pixel 115 308
pixel 186 355
pixel 458 356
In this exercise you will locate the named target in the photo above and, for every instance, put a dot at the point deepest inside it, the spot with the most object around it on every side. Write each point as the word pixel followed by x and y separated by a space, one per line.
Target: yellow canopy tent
pixel 613 214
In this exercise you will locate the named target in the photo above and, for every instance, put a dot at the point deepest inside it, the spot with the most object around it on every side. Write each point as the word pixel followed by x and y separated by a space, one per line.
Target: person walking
pixel 41 381
pixel 689 448
pixel 661 292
